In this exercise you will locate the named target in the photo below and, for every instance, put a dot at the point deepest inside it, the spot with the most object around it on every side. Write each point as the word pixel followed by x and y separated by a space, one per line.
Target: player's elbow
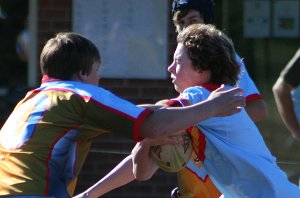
pixel 276 89
pixel 141 173
pixel 281 88
pixel 141 176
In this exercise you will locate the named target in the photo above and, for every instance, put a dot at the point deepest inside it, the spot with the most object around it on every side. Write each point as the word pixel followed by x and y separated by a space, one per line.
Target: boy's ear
pixel 82 76
pixel 79 76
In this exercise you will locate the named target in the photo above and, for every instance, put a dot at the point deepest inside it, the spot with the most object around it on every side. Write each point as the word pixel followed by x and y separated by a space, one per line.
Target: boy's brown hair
pixel 210 49
pixel 67 54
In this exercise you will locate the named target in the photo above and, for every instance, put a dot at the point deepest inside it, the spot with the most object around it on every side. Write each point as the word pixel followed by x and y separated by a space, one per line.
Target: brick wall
pixel 56 16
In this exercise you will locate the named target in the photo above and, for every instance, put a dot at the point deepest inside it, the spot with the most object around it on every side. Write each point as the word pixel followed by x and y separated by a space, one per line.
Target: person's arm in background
pixel 283 98
pixel 287 81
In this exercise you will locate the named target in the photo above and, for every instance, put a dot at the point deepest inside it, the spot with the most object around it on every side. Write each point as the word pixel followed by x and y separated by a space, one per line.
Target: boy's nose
pixel 170 68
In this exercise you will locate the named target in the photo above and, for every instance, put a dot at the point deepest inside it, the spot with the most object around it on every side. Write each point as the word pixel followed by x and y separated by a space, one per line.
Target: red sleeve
pixel 253 97
pixel 138 123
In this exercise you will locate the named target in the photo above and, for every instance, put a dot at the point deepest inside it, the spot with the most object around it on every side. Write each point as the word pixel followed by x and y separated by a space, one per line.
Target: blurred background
pixel 136 39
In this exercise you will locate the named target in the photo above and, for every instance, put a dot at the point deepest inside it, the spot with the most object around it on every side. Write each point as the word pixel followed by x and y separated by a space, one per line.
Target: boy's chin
pixel 178 89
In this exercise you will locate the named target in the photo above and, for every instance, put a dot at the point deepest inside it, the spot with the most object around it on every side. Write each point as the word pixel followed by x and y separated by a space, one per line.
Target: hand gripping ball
pixel 172 157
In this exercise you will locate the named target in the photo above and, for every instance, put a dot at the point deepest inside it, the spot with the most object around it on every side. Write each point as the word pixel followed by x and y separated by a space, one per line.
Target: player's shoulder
pixel 196 94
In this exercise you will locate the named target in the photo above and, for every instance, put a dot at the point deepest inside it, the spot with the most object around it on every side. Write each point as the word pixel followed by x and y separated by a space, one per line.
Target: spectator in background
pixel 18 83
pixel 286 91
pixel 22 45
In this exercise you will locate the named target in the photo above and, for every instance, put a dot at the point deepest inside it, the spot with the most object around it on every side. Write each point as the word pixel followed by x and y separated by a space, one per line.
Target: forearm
pixel 292 124
pixel 143 166
pixel 119 176
pixel 283 99
pixel 167 121
pixel 286 112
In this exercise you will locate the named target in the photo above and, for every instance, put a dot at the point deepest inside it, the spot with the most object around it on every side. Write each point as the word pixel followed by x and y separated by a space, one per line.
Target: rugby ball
pixel 172 157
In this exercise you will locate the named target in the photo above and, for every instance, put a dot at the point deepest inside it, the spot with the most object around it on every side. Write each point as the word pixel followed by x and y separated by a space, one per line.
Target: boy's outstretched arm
pixel 122 174
pixel 119 176
pixel 166 121
pixel 143 166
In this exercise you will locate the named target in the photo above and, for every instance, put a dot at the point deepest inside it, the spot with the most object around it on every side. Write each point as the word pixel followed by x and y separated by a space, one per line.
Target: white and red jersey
pixel 234 154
